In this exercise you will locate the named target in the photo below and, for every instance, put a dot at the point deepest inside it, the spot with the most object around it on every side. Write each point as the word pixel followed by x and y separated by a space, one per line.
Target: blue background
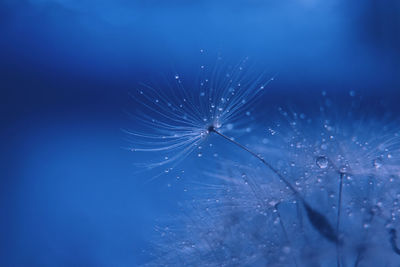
pixel 70 195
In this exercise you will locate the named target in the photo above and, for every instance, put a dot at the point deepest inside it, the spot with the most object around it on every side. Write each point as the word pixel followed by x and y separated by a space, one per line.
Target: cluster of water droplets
pixel 344 204
pixel 348 169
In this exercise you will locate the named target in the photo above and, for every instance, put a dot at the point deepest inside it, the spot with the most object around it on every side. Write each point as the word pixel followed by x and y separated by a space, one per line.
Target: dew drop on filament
pixel 322 162
pixel 377 163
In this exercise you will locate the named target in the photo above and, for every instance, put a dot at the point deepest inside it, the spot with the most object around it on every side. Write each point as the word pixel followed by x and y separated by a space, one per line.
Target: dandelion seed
pixel 183 125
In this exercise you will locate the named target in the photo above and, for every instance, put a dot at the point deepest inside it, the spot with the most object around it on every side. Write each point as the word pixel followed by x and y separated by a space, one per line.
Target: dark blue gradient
pixel 69 193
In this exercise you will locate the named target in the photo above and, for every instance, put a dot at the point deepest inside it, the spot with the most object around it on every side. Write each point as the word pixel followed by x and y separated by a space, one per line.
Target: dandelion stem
pixel 318 220
pixel 281 177
pixel 285 232
pixel 393 240
pixel 338 252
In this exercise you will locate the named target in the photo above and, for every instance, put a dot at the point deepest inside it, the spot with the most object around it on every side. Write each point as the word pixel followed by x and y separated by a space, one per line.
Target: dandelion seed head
pixel 246 218
pixel 242 215
pixel 177 117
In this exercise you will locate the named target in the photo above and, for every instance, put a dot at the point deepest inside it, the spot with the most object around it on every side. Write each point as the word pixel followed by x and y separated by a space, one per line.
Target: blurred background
pixel 70 195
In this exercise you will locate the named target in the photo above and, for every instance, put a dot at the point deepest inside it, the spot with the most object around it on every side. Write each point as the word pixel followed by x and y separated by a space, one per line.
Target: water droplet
pixel 378 163
pixel 200 155
pixel 322 162
pixel 272 132
pixel 176 77
pixel 352 93
pixel 343 169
